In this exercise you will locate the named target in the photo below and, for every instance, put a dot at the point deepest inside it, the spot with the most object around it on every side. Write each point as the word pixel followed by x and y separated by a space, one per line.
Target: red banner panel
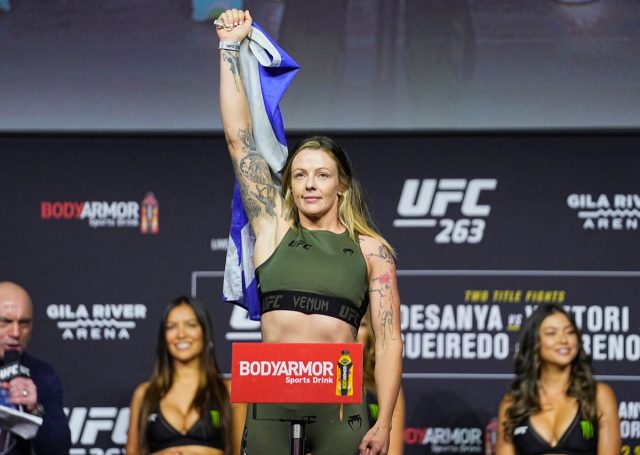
pixel 296 373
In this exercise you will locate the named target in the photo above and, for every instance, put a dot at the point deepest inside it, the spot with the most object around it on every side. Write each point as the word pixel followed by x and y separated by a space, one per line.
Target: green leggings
pixel 265 432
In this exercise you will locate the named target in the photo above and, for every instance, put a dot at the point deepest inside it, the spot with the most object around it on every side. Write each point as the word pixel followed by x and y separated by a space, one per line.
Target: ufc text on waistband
pixel 309 303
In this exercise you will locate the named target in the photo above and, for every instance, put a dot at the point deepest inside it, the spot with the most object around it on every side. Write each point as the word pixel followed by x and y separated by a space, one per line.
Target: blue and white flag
pixel 267 72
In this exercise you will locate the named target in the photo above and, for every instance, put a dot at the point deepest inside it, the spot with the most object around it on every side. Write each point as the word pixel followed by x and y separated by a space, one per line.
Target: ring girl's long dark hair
pixel 526 385
pixel 212 392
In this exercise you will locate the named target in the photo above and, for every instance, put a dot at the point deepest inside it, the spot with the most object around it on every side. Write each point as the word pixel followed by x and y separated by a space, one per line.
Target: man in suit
pixel 41 392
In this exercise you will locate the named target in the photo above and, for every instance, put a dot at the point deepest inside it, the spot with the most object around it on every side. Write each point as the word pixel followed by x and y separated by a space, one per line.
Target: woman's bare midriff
pixel 282 326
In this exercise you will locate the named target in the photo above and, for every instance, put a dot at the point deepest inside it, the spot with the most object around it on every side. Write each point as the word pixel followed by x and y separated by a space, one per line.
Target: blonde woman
pixel 314 239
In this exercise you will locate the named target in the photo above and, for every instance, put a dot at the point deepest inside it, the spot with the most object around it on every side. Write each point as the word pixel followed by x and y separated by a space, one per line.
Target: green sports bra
pixel 315 272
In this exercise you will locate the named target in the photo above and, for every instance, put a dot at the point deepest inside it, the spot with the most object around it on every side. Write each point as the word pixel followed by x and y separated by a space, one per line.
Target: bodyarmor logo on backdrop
pixel 98 426
pixel 599 212
pixel 445 439
pixel 109 321
pixel 106 214
pixel 452 205
pixel 150 215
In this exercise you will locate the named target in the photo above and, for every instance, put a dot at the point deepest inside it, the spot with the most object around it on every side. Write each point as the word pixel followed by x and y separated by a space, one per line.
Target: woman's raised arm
pixel 260 197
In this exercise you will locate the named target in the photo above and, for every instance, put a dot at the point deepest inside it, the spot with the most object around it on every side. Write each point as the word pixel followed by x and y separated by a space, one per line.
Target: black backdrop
pixel 486 226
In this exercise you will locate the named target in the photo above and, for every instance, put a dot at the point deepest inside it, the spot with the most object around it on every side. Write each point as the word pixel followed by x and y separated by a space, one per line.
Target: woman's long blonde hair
pixel 353 212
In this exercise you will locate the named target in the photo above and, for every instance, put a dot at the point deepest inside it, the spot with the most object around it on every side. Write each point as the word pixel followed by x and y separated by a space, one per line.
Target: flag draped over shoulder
pixel 267 72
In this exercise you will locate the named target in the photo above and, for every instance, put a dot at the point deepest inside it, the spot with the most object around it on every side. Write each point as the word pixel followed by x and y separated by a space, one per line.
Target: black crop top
pixel 205 432
pixel 581 438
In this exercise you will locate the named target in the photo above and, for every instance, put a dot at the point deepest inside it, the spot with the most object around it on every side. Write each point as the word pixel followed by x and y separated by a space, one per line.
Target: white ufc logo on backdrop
pixel 86 424
pixel 425 203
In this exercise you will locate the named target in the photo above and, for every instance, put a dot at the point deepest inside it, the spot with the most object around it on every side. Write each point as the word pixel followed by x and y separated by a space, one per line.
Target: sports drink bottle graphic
pixel 149 216
pixel 490 435
pixel 344 375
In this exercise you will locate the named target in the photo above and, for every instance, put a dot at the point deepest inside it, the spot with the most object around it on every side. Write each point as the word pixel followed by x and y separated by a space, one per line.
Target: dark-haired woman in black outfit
pixel 554 405
pixel 184 408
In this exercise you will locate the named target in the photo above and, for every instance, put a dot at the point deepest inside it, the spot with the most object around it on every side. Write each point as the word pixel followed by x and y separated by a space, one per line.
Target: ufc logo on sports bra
pixel 520 430
pixel 270 302
pixel 300 243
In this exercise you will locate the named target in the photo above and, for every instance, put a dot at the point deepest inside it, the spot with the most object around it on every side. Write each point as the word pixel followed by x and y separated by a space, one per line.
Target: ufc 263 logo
pixel 431 202
pixel 98 430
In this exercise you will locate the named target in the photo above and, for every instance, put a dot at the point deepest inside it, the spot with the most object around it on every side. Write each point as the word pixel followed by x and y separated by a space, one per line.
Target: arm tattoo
pixel 382 254
pixel 381 285
pixel 248 142
pixel 255 168
pixel 252 168
pixel 233 60
pixel 251 207
pixel 267 196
